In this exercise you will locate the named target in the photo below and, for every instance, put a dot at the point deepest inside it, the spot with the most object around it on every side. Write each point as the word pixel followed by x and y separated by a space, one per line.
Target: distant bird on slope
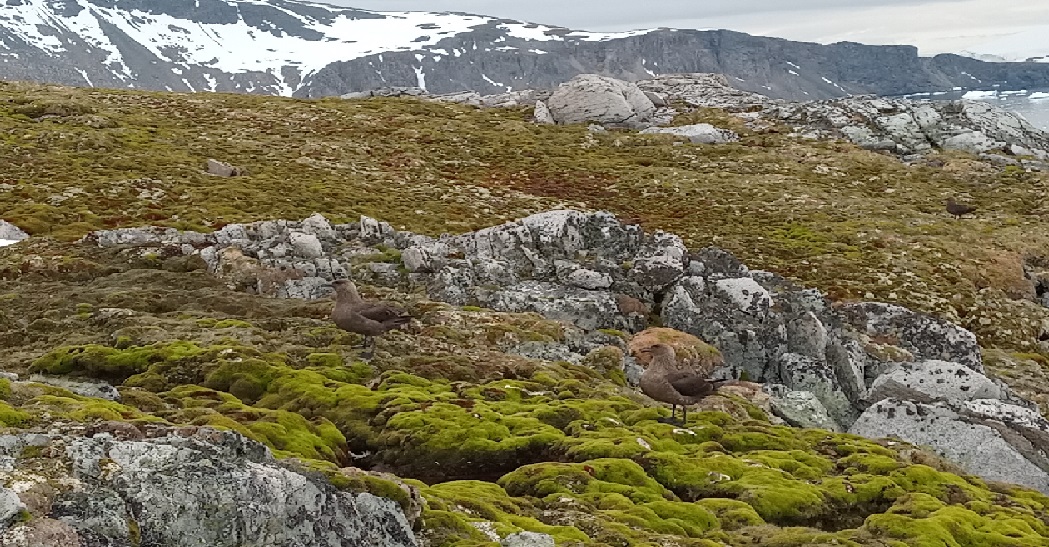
pixel 958 209
pixel 665 382
pixel 353 314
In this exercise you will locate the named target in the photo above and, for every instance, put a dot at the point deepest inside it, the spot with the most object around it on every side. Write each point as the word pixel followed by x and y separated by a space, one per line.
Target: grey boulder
pixel 608 101
pixel 700 133
pixel 933 380
pixel 988 438
pixel 800 408
pixel 528 539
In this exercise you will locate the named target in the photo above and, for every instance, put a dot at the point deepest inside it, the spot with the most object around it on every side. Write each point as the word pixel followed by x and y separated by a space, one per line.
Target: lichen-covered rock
pixel 702 133
pixel 99 390
pixel 902 126
pixel 42 532
pixel 194 487
pixel 542 114
pixel 733 316
pixel 800 408
pixel 932 380
pixel 527 539
pixel 10 506
pixel 994 440
pixel 924 336
pixel 589 310
pixel 593 98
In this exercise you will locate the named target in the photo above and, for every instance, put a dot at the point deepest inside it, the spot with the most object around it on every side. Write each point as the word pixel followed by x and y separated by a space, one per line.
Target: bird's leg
pixel 670 420
pixel 368 351
pixel 684 415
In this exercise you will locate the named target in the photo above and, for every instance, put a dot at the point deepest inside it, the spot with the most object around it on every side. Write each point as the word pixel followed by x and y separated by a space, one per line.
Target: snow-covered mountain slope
pixel 287 40
pixel 306 49
pixel 1029 45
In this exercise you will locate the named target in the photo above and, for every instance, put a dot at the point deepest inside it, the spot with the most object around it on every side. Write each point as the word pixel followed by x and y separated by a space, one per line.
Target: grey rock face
pixel 924 336
pixel 992 439
pixel 198 487
pixel 10 232
pixel 800 408
pixel 593 98
pixel 912 127
pixel 527 539
pixel 542 114
pixel 10 506
pixel 395 91
pixel 933 380
pixel 98 390
pixel 901 126
pixel 701 133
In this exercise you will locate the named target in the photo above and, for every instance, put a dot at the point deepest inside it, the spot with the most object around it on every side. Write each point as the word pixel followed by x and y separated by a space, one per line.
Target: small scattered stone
pixel 223 169
pixel 528 539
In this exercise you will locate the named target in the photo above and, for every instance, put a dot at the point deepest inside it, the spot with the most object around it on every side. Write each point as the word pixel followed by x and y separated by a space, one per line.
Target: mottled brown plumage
pixel 958 209
pixel 354 314
pixel 665 382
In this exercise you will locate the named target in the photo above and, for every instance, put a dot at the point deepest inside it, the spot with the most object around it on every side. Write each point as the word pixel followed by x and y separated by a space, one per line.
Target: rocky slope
pixel 314 50
pixel 503 427
pixel 825 275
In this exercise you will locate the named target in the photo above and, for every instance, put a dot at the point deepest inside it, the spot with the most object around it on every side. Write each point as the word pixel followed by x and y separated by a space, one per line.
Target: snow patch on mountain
pixel 328 34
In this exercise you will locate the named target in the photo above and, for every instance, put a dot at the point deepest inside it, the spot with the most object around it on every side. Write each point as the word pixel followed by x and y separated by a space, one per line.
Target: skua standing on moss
pixel 665 382
pixel 958 209
pixel 371 319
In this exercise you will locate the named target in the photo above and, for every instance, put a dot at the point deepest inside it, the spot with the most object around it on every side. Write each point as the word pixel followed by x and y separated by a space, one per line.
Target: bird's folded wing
pixel 355 322
pixel 381 312
pixel 690 384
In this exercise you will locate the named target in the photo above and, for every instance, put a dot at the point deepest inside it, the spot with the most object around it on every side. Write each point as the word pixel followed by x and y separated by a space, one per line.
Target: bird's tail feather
pixel 402 320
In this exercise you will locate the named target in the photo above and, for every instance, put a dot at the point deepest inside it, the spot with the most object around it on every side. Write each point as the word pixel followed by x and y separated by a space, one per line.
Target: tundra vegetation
pixel 506 443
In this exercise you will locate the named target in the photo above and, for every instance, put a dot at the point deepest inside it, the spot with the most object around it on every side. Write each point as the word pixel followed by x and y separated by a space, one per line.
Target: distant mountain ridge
pixel 284 47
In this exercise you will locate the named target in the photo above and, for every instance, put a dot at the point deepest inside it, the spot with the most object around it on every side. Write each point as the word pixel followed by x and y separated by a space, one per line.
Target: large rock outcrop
pixel 176 487
pixel 829 362
pixel 593 98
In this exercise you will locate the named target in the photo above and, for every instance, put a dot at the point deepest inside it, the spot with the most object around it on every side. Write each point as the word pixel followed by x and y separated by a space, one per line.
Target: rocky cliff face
pixel 312 50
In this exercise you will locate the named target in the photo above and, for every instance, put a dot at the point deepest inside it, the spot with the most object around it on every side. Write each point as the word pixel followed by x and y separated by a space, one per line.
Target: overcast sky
pixel 935 26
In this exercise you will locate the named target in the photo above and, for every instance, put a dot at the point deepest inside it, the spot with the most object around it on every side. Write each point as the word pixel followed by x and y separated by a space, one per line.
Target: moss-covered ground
pixel 857 224
pixel 494 442
pixel 497 442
